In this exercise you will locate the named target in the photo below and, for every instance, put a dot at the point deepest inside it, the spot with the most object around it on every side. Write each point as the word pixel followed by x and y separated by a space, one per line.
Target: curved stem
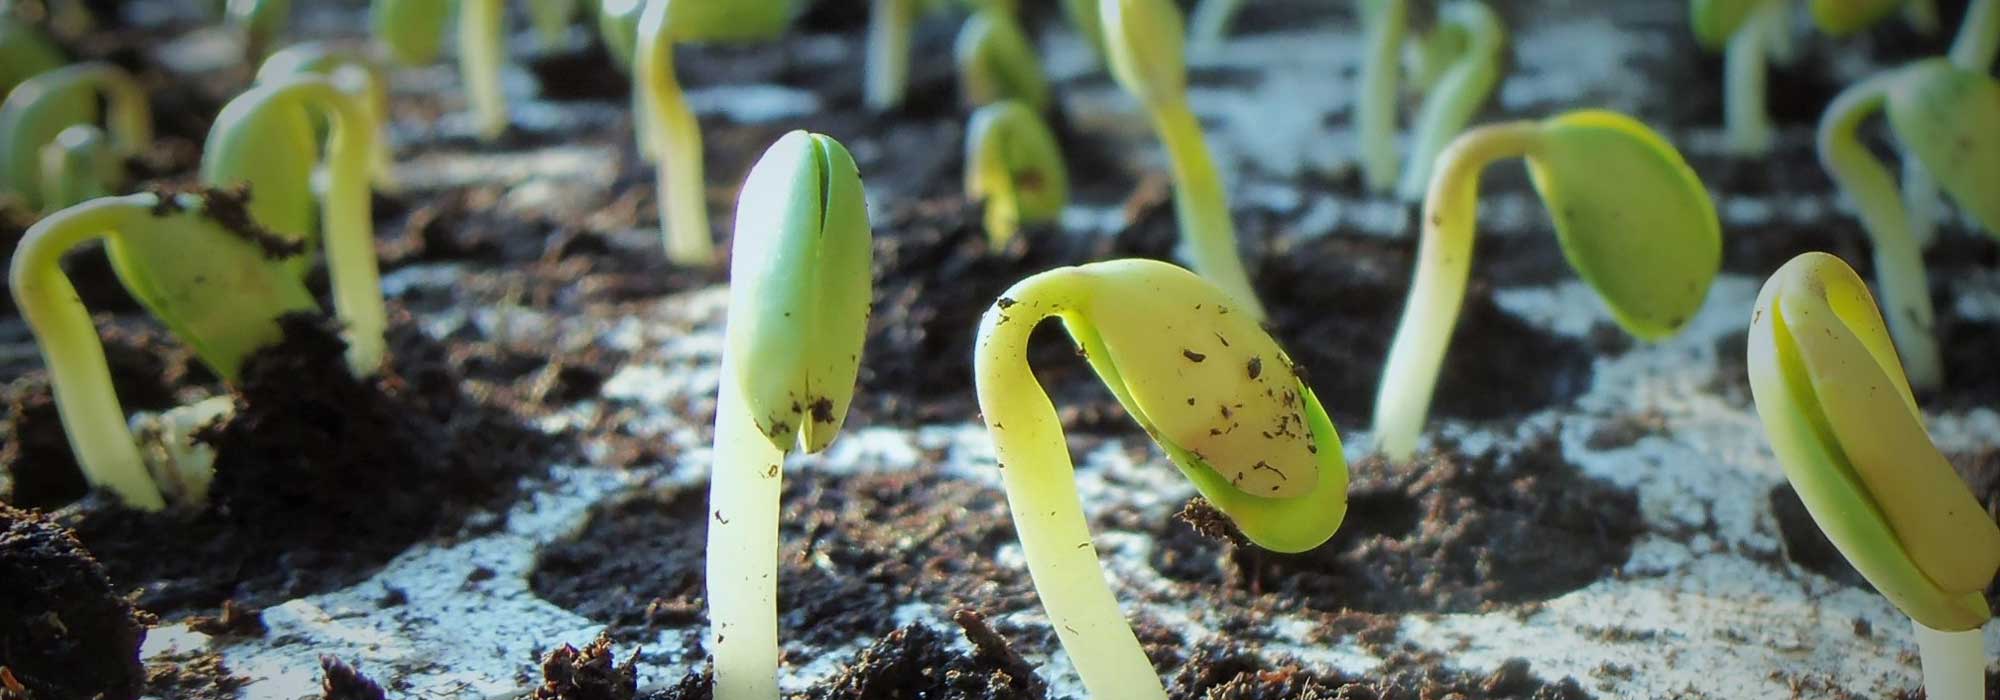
pixel 1744 114
pixel 1444 261
pixel 1041 492
pixel 1375 115
pixel 1978 37
pixel 77 166
pixel 888 68
pixel 1208 236
pixel 1921 196
pixel 676 136
pixel 129 116
pixel 1954 663
pixel 78 374
pixel 348 225
pixel 481 51
pixel 1210 24
pixel 1458 94
pixel 744 482
pixel 1899 262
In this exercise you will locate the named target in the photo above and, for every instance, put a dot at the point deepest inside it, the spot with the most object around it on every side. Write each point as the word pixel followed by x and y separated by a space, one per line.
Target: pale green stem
pixel 1920 194
pixel 77 166
pixel 1978 37
pixel 81 380
pixel 1444 261
pixel 482 50
pixel 1954 663
pixel 1003 210
pixel 742 577
pixel 129 118
pixel 1778 43
pixel 1458 94
pixel 1375 115
pixel 551 19
pixel 888 70
pixel 1041 492
pixel 1899 261
pixel 676 137
pixel 1201 207
pixel 347 219
pixel 1210 24
pixel 1744 115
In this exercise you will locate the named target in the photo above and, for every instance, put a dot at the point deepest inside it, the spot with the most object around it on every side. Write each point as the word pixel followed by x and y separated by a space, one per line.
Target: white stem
pixel 888 67
pixel 743 486
pixel 1954 663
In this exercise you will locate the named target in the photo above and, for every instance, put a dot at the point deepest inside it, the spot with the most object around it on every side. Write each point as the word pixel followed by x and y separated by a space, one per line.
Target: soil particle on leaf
pixel 917 661
pixel 590 673
pixel 65 632
pixel 341 681
pixel 1448 532
pixel 1237 672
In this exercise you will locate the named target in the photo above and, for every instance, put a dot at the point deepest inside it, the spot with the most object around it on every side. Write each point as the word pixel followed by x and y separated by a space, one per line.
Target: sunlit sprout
pixel 1384 22
pixel 354 74
pixel 40 109
pixel 413 30
pixel 1014 166
pixel 1477 42
pixel 996 62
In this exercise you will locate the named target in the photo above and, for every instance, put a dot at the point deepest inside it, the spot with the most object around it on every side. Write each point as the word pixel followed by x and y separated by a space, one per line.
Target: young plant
pixel 551 19
pixel 1630 215
pixel 1205 381
pixel 997 62
pixel 195 263
pixel 264 139
pixel 259 22
pixel 1459 90
pixel 618 28
pixel 1375 111
pixel 1013 164
pixel 39 109
pixel 669 132
pixel 1083 16
pixel 1143 39
pixel 354 74
pixel 24 53
pixel 887 71
pixel 1747 30
pixel 414 30
pixel 799 289
pixel 1210 24
pixel 79 164
pixel 1943 119
pixel 1845 427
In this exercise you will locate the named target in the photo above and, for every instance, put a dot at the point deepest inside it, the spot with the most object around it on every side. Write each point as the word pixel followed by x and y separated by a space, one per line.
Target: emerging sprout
pixel 1631 216
pixel 1943 118
pixel 79 164
pixel 352 73
pixel 1843 423
pixel 1749 29
pixel 414 30
pixel 1375 112
pixel 996 62
pixel 197 265
pixel 264 139
pixel 799 288
pixel 24 53
pixel 1459 90
pixel 670 133
pixel 259 22
pixel 1013 164
pixel 38 110
pixel 1144 41
pixel 890 23
pixel 1205 381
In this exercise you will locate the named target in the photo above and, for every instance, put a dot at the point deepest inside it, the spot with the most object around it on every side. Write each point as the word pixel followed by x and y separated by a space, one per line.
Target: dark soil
pixel 1236 673
pixel 340 681
pixel 918 662
pixel 65 631
pixel 1447 533
pixel 590 673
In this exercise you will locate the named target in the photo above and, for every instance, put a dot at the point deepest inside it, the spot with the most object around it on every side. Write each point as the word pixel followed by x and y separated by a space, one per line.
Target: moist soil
pixel 65 629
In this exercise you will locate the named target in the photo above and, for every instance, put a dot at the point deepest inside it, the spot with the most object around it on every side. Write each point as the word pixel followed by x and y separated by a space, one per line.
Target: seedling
pixel 890 23
pixel 1630 215
pixel 1842 420
pixel 799 289
pixel 551 19
pixel 1747 30
pixel 259 22
pixel 1375 113
pixel 618 28
pixel 1144 39
pixel 79 164
pixel 996 62
pixel 24 53
pixel 1459 90
pixel 38 110
pixel 414 29
pixel 1084 18
pixel 352 73
pixel 1943 118
pixel 1844 17
pixel 1205 381
pixel 264 139
pixel 196 264
pixel 670 134
pixel 1013 164
pixel 1211 23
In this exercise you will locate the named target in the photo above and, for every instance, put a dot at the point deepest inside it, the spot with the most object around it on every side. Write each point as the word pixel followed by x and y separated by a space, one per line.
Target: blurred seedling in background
pixel 1749 32
pixel 40 111
pixel 1014 166
pixel 997 62
pixel 1468 45
pixel 354 74
pixel 24 53
pixel 413 32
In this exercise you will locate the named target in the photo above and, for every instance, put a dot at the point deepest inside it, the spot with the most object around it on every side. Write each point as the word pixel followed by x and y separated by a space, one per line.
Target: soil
pixel 592 673
pixel 65 632
pixel 1225 673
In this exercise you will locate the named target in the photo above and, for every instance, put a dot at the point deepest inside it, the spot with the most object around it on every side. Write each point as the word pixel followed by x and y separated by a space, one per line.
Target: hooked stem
pixel 1375 115
pixel 674 135
pixel 744 482
pixel 1954 663
pixel 1201 207
pixel 481 51
pixel 1458 93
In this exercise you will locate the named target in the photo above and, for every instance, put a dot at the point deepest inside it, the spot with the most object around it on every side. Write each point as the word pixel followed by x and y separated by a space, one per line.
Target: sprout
pixel 24 53
pixel 1459 90
pixel 1013 164
pixel 352 73
pixel 1375 113
pixel 1210 24
pixel 79 164
pixel 264 139
pixel 799 288
pixel 1144 42
pixel 1978 36
pixel 1084 16
pixel 669 132
pixel 618 28
pixel 551 19
pixel 1749 29
pixel 38 110
pixel 996 62
pixel 1942 117
pixel 888 65
pixel 181 465
pixel 1843 17
pixel 260 22
pixel 197 265
pixel 1205 381
pixel 1630 215
pixel 414 29
pixel 1843 423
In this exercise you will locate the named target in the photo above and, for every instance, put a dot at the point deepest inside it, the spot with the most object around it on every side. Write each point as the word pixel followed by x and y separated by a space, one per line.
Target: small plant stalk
pixel 482 51
pixel 1444 261
pixel 1458 93
pixel 1954 662
pixel 1978 37
pixel 1210 24
pixel 1208 235
pixel 890 23
pixel 674 135
pixel 743 488
pixel 348 218
pixel 1745 117
pixel 1375 115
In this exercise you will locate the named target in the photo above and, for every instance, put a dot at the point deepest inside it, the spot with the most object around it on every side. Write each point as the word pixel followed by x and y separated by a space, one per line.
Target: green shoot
pixel 260 22
pixel 669 132
pixel 1630 215
pixel 1942 117
pixel 1210 24
pixel 1458 91
pixel 1083 16
pixel 618 28
pixel 42 107
pixel 551 19
pixel 79 164
pixel 413 30
pixel 1842 420
pixel 1205 381
pixel 799 288
pixel 24 53
pixel 1144 39
pixel 1375 112
pixel 264 139
pixel 996 62
pixel 218 286
pixel 1013 164
pixel 1844 17
pixel 1978 36
pixel 1748 30
pixel 887 72
pixel 354 74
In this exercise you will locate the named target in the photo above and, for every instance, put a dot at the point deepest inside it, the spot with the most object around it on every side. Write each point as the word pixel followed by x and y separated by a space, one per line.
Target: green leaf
pixel 996 62
pixel 728 20
pixel 1146 43
pixel 24 53
pixel 1843 17
pixel 1950 119
pixel 1631 216
pixel 1714 21
pixel 267 143
pixel 412 29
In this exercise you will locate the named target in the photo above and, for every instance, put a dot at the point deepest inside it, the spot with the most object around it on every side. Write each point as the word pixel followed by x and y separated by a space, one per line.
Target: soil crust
pixel 65 632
